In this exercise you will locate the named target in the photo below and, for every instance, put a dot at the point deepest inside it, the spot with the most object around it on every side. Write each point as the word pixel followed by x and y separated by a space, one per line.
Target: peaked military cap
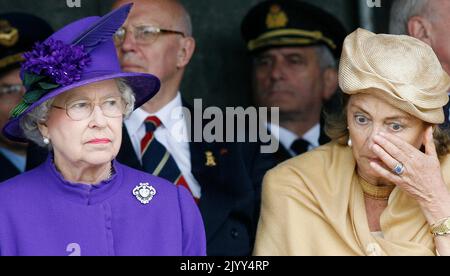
pixel 278 23
pixel 18 33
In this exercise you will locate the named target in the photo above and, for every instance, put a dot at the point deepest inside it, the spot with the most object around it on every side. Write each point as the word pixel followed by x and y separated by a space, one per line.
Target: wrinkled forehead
pixel 153 13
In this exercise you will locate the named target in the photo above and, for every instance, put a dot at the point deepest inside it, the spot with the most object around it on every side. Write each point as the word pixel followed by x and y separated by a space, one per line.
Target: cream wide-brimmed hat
pixel 401 69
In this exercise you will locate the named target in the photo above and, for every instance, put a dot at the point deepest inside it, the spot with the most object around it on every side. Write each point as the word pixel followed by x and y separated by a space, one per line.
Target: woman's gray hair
pixel 127 96
pixel 402 11
pixel 29 123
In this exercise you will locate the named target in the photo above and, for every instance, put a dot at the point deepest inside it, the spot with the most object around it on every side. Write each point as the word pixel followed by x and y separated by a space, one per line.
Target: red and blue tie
pixel 156 159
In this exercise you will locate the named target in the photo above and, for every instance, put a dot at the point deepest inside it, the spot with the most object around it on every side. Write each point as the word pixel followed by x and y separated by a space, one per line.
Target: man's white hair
pixel 402 11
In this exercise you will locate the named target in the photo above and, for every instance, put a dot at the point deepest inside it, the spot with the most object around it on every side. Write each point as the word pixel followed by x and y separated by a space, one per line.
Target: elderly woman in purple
pixel 82 201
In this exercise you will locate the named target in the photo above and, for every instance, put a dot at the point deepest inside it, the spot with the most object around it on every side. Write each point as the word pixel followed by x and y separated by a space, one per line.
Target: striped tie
pixel 156 159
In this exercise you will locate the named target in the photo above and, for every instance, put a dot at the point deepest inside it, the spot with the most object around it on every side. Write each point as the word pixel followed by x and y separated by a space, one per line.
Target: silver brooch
pixel 144 193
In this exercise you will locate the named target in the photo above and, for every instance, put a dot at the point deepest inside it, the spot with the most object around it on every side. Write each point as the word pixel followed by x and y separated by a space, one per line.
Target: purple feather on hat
pixel 102 30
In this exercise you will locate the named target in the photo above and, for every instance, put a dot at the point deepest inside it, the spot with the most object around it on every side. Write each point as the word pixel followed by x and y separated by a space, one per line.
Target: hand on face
pixel 367 116
pixel 421 178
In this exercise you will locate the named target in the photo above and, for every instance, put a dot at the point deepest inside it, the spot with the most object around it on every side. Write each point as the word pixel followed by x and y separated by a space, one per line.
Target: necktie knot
pixel 152 123
pixel 300 146
pixel 156 159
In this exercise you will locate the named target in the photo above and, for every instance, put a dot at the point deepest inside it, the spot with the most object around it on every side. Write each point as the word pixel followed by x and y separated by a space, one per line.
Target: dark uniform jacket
pixel 7 169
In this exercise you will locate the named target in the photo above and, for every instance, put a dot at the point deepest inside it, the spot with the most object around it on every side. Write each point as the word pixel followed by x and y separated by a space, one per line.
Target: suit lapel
pixel 127 155
pixel 282 154
pixel 219 191
pixel 216 193
pixel 8 170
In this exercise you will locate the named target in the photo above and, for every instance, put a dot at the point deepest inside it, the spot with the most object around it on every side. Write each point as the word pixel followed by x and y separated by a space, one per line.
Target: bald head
pixel 164 54
pixel 403 10
pixel 427 20
pixel 171 10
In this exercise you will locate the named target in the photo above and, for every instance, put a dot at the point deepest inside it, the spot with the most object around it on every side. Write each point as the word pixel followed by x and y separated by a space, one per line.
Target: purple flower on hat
pixel 63 63
pixel 49 65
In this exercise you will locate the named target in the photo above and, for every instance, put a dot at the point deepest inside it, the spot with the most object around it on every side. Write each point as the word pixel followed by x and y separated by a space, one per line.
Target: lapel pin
pixel 210 159
pixel 144 193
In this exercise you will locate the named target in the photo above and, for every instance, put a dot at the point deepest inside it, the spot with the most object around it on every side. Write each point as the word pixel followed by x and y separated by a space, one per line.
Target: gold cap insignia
pixel 210 159
pixel 276 18
pixel 8 35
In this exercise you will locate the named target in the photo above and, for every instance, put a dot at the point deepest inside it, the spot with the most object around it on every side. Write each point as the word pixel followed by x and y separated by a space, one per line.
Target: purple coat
pixel 42 214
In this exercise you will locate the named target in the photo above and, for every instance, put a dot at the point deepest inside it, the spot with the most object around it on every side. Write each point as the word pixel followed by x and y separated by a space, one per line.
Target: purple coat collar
pixel 83 193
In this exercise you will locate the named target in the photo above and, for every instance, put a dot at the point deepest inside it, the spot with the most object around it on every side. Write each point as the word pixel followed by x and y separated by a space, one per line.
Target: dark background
pixel 219 71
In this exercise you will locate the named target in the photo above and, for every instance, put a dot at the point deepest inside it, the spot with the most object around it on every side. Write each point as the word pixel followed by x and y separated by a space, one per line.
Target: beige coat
pixel 313 204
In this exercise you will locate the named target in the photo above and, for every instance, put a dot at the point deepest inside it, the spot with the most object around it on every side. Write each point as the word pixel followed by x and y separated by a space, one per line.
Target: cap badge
pixel 8 35
pixel 276 18
pixel 144 193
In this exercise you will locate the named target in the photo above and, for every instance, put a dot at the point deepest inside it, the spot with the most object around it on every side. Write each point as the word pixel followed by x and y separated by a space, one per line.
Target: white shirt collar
pixel 172 134
pixel 287 137
pixel 169 115
pixel 313 135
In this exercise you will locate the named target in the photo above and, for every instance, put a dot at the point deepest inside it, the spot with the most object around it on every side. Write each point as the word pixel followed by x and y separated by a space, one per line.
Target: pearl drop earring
pixel 349 141
pixel 46 141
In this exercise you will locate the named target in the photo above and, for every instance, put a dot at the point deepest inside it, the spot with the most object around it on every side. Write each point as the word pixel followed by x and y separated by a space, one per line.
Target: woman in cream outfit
pixel 381 186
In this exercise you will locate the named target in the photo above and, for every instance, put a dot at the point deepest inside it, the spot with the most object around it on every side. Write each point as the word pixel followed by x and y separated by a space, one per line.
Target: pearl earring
pixel 46 141
pixel 349 142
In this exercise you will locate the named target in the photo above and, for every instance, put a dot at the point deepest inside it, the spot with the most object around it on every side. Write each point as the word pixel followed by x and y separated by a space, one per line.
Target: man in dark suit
pixel 294 48
pixel 224 178
pixel 18 33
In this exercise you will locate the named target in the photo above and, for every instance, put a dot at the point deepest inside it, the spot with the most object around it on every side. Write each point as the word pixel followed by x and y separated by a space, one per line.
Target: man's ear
pixel 420 28
pixel 330 83
pixel 186 51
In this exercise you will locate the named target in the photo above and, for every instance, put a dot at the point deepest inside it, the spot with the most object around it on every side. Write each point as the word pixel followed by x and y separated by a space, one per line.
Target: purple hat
pixel 80 53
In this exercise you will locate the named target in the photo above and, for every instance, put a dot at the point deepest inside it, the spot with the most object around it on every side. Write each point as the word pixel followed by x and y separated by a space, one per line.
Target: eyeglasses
pixel 11 89
pixel 78 110
pixel 143 35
